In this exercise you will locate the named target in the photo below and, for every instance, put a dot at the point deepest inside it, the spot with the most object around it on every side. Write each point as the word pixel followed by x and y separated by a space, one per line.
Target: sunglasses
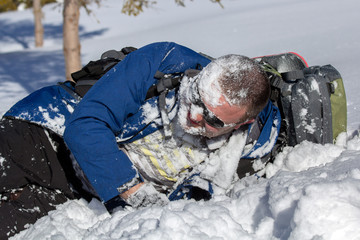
pixel 210 117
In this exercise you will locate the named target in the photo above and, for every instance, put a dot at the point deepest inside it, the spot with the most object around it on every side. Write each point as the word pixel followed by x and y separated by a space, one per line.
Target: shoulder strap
pixel 64 86
pixel 94 70
pixel 292 75
pixel 167 82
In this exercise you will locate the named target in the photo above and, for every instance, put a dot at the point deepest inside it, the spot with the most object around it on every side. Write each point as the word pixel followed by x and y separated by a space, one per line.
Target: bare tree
pixel 39 29
pixel 71 14
pixel 135 7
pixel 71 42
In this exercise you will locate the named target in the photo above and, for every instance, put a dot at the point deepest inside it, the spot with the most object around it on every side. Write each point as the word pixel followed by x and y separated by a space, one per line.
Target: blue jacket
pixel 111 110
pixel 48 107
pixel 115 101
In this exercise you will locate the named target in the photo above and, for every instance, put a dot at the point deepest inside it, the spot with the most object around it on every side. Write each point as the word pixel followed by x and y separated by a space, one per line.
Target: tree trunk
pixel 71 39
pixel 39 30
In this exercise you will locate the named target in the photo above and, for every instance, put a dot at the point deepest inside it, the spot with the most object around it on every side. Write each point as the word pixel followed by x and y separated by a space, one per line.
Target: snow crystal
pixel 221 165
pixel 56 123
pixel 151 112
pixel 68 106
pixel 301 157
pixel 2 160
pixel 314 86
pixel 340 202
pixel 168 53
pixel 302 95
pixel 266 148
pixel 52 108
pixel 310 128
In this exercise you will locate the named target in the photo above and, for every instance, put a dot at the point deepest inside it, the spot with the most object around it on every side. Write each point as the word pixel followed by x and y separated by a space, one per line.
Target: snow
pixel 266 148
pixel 226 66
pixel 214 168
pixel 310 191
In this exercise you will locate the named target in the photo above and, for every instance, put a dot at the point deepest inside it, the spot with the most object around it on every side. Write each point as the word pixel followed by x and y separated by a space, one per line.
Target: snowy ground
pixel 312 191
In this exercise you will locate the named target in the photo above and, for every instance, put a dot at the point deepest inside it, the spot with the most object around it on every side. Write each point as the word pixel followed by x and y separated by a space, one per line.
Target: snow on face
pixel 206 87
pixel 208 83
pixel 187 96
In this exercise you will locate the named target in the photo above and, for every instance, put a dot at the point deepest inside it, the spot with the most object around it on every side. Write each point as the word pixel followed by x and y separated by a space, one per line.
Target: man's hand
pixel 144 195
pixel 125 195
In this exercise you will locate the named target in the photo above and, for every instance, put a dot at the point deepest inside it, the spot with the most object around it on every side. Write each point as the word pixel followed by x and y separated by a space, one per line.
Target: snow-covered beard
pixel 187 95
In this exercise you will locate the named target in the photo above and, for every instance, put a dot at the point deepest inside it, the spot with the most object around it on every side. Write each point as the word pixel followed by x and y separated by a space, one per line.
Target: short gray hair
pixel 244 83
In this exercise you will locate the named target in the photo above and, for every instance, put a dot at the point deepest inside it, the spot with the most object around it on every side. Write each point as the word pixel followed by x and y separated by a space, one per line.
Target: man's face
pixel 198 116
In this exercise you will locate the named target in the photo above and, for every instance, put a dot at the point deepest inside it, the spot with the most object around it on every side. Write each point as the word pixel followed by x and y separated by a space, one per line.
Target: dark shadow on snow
pixel 282 222
pixel 262 210
pixel 22 32
pixel 282 225
pixel 34 69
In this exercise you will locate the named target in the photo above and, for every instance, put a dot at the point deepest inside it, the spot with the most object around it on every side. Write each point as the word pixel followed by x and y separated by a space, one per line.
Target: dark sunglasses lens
pixel 212 120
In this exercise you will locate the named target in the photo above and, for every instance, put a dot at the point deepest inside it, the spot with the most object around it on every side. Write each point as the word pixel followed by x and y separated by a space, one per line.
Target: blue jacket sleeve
pixel 91 130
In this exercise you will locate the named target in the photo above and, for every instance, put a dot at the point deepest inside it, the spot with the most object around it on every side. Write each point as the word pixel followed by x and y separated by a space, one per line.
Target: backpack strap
pixel 167 82
pixel 292 75
pixel 94 70
pixel 86 82
pixel 69 90
pixel 279 83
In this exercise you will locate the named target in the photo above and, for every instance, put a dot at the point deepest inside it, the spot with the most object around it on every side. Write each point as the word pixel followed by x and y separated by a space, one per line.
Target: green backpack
pixel 312 100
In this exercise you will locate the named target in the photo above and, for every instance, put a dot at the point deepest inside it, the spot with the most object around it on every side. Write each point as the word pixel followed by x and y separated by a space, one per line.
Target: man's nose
pixel 196 118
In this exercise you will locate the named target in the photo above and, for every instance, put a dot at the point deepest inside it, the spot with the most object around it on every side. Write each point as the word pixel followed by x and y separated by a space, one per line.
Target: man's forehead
pixel 209 90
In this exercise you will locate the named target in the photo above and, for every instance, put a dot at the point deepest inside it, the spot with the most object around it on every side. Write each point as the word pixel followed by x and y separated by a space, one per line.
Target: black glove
pixel 193 188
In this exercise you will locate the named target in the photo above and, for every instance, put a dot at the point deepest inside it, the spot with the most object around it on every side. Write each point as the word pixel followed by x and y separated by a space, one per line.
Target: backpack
pixel 86 77
pixel 311 100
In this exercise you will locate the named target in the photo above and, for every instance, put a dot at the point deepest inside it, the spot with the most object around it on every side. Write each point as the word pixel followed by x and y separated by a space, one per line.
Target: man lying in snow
pixel 145 150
